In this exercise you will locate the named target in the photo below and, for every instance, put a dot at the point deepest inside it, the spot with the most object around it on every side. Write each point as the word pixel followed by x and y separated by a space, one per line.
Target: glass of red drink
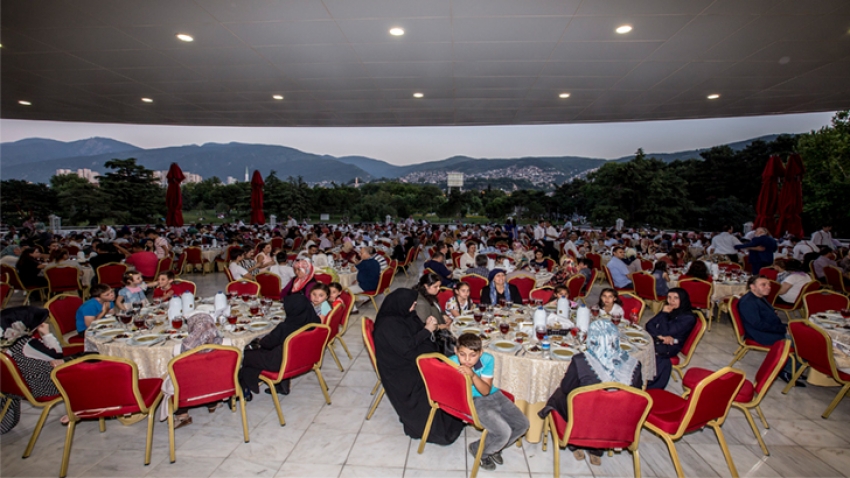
pixel 177 323
pixel 633 316
pixel 139 322
pixel 255 308
pixel 245 297
pixel 616 318
pixel 231 319
pixel 594 311
pixel 502 303
pixel 574 331
pixel 482 307
pixel 845 313
pixel 504 328
pixel 477 316
pixel 540 332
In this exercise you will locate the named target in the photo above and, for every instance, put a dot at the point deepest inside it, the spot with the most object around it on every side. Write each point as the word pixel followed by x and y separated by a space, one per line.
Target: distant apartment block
pixel 87 174
pixel 232 180
pixel 162 177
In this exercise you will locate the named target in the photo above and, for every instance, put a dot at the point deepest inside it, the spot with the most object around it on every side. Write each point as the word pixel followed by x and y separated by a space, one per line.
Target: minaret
pixel 246 174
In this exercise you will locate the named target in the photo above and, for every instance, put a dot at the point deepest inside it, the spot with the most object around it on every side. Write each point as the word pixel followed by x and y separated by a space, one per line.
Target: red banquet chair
pixel 348 299
pixel 646 265
pixel 610 280
pixel 205 374
pixel 443 297
pixel 323 278
pixel 409 258
pixel 744 344
pixel 543 294
pixel 384 284
pixel 708 404
pixel 524 285
pixel 12 384
pixel 277 243
pixel 810 286
pixel 61 279
pixel 126 394
pixel 594 273
pixel 596 259
pixel 774 291
pixel 164 265
pixel 476 283
pixel 769 272
pixel 550 263
pixel 14 280
pixel 367 330
pixel 302 352
pixel 574 285
pixel 700 292
pixel 450 391
pixel 645 289
pixel 195 258
pixel 334 321
pixel 63 321
pixel 751 393
pixel 227 273
pixel 632 303
pixel 179 287
pixel 686 354
pixel 243 287
pixel 823 300
pixel 269 285
pixel 179 264
pixel 813 348
pixel 112 274
pixel 5 293
pixel 835 280
pixel 606 415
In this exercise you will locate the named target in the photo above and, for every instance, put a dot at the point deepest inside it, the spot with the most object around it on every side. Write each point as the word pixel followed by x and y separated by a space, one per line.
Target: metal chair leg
pixel 66 452
pixel 836 401
pixel 725 448
pixel 38 426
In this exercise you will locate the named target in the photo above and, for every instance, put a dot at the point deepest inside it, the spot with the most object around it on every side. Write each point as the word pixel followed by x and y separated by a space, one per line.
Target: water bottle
pixel 564 307
pixel 544 344
pixel 539 318
pixel 220 302
pixel 187 300
pixel 583 318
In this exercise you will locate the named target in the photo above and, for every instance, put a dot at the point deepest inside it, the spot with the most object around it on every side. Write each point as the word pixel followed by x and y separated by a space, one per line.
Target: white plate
pixel 147 339
pixel 529 351
pixel 504 346
pixel 110 320
pixel 633 333
pixel 563 353
pixel 470 330
pixel 638 341
pixel 259 325
pixel 109 333
pixel 626 347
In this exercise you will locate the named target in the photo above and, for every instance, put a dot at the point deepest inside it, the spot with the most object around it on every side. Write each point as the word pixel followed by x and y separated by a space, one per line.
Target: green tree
pixel 79 202
pixel 20 199
pixel 826 183
pixel 135 196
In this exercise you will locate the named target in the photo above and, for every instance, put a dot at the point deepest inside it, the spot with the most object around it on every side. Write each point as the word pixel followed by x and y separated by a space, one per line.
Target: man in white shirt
pixel 824 237
pixel 724 243
pixel 803 247
pixel 291 222
pixel 282 270
pixel 539 232
pixel 106 233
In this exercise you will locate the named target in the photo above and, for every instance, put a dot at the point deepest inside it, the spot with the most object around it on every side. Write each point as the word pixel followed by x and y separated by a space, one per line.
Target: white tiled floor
pixel 336 441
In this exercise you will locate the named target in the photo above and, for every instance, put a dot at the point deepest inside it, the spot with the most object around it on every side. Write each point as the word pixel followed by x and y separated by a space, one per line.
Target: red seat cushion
pixel 674 360
pixel 72 350
pixel 76 339
pixel 270 375
pixel 753 343
pixel 667 410
pixel 696 375
pixel 509 395
pixel 149 389
pixel 747 392
pixel 47 399
pixel 844 376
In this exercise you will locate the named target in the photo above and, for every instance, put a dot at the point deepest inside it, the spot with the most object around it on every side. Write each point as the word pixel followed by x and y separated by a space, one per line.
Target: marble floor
pixel 336 440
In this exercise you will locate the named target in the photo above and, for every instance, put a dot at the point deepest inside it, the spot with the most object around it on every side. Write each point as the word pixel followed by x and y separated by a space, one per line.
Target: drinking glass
pixel 477 316
pixel 504 328
pixel 509 304
pixel 540 331
pixel 254 308
pixel 177 322
pixel 594 311
pixel 502 303
pixel 616 318
pixel 231 319
pixel 125 318
pixel 245 297
pixel 139 322
pixel 482 307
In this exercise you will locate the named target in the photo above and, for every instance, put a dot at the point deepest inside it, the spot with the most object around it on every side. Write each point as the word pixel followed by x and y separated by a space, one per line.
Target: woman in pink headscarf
pixel 303 282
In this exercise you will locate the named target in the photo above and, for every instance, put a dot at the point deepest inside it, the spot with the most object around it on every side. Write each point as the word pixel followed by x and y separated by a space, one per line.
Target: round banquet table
pixel 211 254
pixel 152 361
pixel 722 289
pixel 88 275
pixel 345 276
pixel 532 378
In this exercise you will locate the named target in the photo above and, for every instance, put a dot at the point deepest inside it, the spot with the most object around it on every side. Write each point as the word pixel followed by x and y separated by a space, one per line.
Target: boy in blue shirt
pixel 503 421
pixel 95 308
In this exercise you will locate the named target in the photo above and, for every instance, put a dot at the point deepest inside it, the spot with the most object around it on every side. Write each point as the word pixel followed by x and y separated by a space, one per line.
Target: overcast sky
pixel 410 145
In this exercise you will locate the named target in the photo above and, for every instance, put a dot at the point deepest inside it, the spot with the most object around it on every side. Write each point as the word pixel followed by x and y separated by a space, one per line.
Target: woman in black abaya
pixel 400 337
pixel 267 353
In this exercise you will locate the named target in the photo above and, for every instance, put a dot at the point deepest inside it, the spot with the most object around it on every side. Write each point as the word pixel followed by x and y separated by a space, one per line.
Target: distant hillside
pixel 37 149
pixel 37 160
pixel 694 153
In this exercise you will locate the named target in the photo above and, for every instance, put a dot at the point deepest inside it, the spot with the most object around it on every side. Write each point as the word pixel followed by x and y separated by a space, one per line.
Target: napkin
pixel 555 318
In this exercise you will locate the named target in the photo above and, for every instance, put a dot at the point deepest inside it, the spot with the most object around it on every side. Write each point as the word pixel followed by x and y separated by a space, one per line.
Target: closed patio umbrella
pixel 173 197
pixel 257 183
pixel 766 206
pixel 791 198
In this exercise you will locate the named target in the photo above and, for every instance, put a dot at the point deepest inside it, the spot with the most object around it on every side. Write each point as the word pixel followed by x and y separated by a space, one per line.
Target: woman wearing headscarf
pixel 498 288
pixel 35 357
pixel 303 282
pixel 670 329
pixel 10 255
pixel 603 361
pixel 29 268
pixel 400 337
pixel 202 331
pixel 267 352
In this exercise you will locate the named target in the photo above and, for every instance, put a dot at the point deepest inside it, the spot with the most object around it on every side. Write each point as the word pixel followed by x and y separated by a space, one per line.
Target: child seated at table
pixel 319 298
pixel 560 291
pixel 335 293
pixel 133 290
pixel 503 421
pixel 167 288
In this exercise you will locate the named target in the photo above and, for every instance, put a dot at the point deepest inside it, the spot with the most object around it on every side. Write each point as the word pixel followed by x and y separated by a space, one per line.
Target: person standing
pixel 761 248
pixel 160 244
pixel 823 238
pixel 724 244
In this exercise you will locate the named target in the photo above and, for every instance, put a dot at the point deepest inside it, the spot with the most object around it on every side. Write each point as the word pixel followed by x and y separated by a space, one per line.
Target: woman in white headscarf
pixel 604 361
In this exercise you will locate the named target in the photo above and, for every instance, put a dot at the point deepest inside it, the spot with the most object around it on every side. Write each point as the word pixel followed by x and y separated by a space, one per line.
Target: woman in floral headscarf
pixel 202 331
pixel 604 361
pixel 303 282
pixel 35 357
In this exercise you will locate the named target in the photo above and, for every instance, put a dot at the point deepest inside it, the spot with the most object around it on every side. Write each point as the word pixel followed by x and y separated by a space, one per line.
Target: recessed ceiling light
pixel 564 95
pixel 713 96
pixel 147 100
pixel 622 29
pixel 24 102
pixel 277 97
pixel 184 37
pixel 418 95
pixel 396 32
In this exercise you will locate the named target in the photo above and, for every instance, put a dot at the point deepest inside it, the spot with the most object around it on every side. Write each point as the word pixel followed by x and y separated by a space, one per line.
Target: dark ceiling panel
pixel 475 61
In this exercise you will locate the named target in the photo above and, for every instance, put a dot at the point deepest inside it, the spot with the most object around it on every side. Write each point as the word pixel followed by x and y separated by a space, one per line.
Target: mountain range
pixel 37 159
